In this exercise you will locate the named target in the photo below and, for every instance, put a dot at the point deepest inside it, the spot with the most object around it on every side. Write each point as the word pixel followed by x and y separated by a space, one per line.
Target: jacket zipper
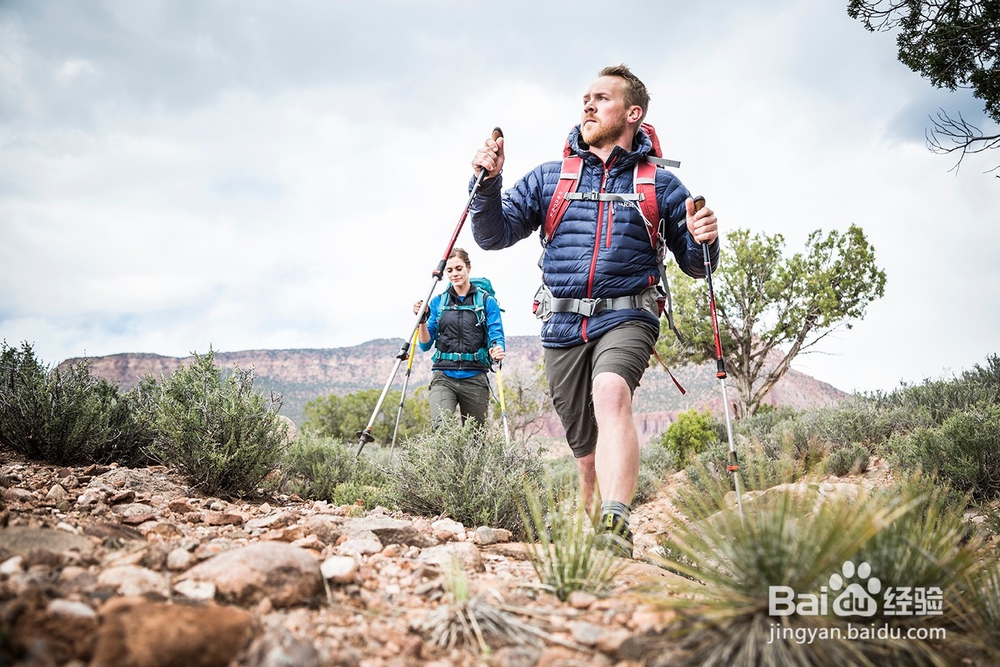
pixel 597 244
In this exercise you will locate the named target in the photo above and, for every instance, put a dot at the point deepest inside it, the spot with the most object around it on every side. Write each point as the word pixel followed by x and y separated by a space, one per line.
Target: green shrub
pixel 850 459
pixel 691 434
pixel 785 435
pixel 342 417
pixel 326 469
pixel 466 472
pixel 655 464
pixel 962 451
pixel 221 432
pixel 66 415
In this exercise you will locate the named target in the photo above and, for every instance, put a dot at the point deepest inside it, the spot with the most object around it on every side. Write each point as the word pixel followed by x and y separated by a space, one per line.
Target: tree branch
pixel 957 134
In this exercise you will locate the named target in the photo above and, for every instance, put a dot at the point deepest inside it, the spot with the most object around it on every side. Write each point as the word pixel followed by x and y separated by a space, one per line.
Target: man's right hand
pixel 490 157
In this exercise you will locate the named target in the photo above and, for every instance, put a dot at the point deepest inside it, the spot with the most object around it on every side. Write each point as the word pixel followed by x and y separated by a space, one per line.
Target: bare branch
pixel 950 135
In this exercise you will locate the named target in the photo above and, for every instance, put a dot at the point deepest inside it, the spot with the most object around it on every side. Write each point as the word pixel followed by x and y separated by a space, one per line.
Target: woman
pixel 464 323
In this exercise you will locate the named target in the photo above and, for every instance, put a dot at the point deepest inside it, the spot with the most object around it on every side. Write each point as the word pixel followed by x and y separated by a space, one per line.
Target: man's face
pixel 604 117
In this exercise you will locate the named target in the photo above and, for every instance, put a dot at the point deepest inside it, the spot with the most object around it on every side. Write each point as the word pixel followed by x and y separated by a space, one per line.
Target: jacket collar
pixel 641 146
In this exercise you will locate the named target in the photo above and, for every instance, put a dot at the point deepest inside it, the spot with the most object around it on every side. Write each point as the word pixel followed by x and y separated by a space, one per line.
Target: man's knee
pixel 611 393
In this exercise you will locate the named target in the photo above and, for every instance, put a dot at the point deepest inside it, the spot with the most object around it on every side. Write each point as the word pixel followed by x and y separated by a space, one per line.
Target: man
pixel 599 270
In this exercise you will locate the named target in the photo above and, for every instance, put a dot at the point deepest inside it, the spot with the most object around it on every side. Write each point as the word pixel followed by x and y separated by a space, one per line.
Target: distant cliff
pixel 304 374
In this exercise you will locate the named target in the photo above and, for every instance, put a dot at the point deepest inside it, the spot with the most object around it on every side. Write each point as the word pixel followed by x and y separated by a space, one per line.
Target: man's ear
pixel 634 114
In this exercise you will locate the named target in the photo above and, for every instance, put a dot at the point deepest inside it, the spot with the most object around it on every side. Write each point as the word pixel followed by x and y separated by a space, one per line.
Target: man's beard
pixel 600 135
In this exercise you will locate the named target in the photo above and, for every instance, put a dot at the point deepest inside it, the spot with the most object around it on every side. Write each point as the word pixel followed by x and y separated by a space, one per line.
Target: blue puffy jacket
pixel 600 249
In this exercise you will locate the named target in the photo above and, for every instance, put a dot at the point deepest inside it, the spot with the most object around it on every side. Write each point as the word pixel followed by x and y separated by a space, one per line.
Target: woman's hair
pixel 461 254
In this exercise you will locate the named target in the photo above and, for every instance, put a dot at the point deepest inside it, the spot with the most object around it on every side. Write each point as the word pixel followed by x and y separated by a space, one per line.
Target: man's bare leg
pixel 617 456
pixel 588 478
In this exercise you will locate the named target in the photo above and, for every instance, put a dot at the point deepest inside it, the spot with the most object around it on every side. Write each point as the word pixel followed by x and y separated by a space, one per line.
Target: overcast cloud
pixel 263 175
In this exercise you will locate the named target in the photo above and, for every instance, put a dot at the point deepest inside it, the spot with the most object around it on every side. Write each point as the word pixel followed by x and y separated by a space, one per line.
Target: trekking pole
pixel 503 407
pixel 734 466
pixel 365 436
pixel 402 396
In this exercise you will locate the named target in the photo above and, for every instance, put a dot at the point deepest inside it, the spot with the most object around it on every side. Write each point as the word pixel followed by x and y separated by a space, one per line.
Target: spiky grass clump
pixel 472 620
pixel 561 544
pixel 787 539
pixel 794 536
pixel 981 603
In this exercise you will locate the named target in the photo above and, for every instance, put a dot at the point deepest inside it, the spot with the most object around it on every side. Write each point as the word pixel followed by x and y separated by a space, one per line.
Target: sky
pixel 236 175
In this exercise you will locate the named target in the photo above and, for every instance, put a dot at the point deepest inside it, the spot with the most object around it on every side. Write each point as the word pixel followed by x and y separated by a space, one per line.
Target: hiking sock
pixel 613 530
pixel 619 509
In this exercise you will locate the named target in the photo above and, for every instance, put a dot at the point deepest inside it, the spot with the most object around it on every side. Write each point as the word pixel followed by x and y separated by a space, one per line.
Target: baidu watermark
pixel 854 592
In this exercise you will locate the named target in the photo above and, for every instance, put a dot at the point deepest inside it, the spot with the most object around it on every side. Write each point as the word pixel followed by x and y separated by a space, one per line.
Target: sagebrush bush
pixel 466 472
pixel 870 421
pixel 760 467
pixel 940 399
pixel 66 415
pixel 320 468
pixel 223 433
pixel 849 459
pixel 655 464
pixel 562 472
pixel 962 451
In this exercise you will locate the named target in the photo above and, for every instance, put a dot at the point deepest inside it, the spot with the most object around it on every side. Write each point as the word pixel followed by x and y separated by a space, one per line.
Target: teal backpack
pixel 484 288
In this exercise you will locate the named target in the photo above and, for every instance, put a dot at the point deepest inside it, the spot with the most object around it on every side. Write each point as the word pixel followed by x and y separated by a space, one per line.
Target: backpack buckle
pixel 587 307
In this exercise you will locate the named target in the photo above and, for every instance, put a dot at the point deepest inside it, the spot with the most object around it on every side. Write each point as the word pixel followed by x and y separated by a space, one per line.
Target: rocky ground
pixel 107 566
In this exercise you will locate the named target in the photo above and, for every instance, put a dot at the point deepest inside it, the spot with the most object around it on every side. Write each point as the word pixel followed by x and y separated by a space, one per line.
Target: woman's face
pixel 457 272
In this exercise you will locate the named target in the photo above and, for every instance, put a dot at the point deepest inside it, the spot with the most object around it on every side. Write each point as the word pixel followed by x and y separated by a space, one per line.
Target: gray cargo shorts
pixel 624 351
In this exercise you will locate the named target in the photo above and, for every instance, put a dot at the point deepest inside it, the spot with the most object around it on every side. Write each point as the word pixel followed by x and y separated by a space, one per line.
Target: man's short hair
pixel 635 90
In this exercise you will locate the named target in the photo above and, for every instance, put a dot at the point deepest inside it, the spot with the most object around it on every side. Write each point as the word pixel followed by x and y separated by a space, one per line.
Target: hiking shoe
pixel 614 536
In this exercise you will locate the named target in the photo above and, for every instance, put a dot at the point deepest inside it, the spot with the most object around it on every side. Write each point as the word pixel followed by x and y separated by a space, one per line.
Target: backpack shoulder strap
pixel 479 298
pixel 569 180
pixel 644 182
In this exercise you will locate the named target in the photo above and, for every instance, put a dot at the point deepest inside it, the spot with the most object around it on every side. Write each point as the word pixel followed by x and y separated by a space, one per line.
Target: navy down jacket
pixel 600 249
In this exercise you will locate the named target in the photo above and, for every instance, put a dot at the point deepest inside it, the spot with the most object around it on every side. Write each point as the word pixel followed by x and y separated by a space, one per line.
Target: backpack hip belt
pixel 650 299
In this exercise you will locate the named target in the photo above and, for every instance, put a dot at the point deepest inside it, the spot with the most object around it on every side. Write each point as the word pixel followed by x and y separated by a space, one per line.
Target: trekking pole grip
pixel 497 134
